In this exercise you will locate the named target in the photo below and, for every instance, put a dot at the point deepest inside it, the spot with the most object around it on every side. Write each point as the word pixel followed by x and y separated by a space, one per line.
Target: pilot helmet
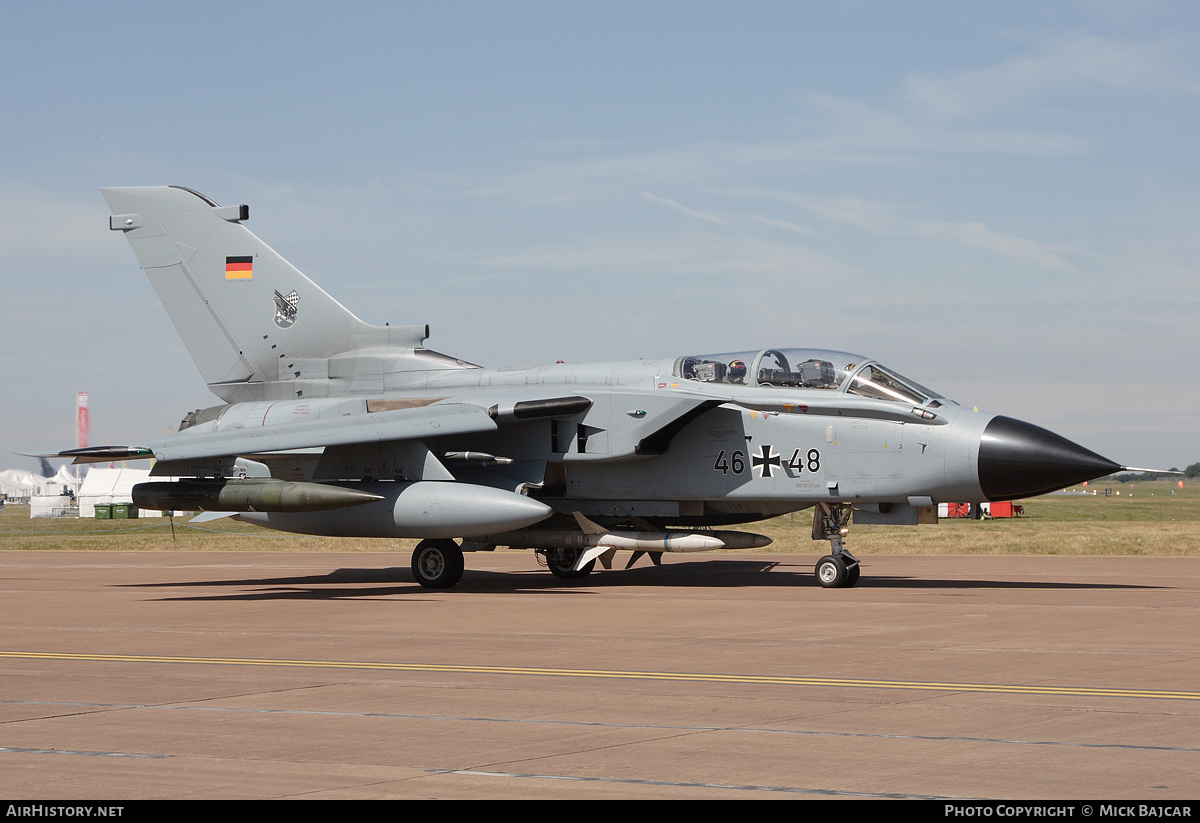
pixel 737 370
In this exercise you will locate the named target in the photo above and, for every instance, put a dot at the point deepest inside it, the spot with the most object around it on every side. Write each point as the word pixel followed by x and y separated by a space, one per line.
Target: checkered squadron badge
pixel 285 308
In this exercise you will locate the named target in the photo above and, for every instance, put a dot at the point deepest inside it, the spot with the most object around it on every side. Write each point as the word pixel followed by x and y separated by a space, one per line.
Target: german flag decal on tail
pixel 239 268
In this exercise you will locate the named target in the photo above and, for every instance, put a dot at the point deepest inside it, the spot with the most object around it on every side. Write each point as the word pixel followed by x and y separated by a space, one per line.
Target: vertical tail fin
pixel 239 307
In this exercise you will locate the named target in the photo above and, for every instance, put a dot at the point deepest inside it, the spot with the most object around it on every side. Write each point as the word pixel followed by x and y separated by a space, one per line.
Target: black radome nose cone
pixel 1022 460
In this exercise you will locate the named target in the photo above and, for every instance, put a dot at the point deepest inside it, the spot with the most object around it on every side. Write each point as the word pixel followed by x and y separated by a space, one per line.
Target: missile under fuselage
pixel 675 540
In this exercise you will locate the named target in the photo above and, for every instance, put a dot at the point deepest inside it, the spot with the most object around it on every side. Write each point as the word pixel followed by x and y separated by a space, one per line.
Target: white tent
pixel 20 486
pixel 104 485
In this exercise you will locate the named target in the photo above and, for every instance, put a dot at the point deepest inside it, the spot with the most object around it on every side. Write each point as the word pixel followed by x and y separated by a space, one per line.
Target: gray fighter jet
pixel 332 426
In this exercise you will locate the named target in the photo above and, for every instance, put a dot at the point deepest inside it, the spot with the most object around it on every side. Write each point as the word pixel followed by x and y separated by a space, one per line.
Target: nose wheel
pixel 833 573
pixel 839 568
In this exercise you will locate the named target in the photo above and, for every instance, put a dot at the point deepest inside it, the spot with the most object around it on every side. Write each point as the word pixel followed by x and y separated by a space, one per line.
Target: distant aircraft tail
pixel 246 315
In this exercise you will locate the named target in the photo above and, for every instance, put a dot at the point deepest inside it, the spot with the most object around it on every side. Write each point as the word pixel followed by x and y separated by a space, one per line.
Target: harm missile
pixel 247 495
pixel 669 541
pixel 602 541
pixel 591 535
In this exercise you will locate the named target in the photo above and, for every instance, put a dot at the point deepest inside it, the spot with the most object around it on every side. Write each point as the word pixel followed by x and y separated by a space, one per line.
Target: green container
pixel 104 511
pixel 124 511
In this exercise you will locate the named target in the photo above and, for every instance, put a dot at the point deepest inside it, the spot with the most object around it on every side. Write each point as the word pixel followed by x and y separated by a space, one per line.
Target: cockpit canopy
pixel 817 369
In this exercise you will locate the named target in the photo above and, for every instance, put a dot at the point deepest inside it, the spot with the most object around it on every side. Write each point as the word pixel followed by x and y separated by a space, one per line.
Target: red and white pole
pixel 81 419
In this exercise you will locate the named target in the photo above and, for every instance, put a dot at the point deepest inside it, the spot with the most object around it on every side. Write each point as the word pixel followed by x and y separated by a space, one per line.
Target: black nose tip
pixel 1021 460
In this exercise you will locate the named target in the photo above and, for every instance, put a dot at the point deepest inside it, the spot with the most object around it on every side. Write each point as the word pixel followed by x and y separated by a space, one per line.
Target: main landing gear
pixel 437 564
pixel 561 563
pixel 839 568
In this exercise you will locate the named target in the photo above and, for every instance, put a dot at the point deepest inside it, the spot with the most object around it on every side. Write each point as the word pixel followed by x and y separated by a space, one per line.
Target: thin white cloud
pixel 786 225
pixel 883 219
pixel 1075 62
pixel 573 180
pixel 865 134
pixel 707 216
pixel 663 254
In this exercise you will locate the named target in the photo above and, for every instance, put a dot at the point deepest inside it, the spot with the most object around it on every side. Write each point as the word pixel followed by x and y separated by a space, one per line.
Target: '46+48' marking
pixel 767 458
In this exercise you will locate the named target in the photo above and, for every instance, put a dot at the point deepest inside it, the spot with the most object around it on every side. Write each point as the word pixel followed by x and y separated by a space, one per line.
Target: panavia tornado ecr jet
pixel 332 426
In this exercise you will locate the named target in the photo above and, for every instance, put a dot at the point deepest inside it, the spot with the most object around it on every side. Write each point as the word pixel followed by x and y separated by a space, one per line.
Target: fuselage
pixel 700 440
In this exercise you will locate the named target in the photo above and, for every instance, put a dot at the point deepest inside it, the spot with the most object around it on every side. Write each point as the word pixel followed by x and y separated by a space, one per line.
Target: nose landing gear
pixel 839 568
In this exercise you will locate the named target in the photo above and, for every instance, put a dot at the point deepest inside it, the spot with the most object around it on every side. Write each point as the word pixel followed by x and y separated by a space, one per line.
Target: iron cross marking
pixel 765 460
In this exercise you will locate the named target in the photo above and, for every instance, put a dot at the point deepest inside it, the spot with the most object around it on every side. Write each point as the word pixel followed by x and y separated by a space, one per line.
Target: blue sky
pixel 999 200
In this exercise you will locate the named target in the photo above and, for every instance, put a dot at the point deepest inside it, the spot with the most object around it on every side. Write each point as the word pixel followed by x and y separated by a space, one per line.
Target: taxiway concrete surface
pixel 276 675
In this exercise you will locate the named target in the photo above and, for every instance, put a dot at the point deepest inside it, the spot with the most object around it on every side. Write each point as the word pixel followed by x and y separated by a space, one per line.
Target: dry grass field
pixel 1144 519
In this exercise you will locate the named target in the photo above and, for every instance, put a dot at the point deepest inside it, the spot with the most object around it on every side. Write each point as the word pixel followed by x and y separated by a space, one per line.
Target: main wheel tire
pixel 437 564
pixel 831 572
pixel 561 563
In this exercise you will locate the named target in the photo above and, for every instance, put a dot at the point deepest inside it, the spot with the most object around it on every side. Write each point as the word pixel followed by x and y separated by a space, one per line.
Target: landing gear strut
pixel 437 564
pixel 839 568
